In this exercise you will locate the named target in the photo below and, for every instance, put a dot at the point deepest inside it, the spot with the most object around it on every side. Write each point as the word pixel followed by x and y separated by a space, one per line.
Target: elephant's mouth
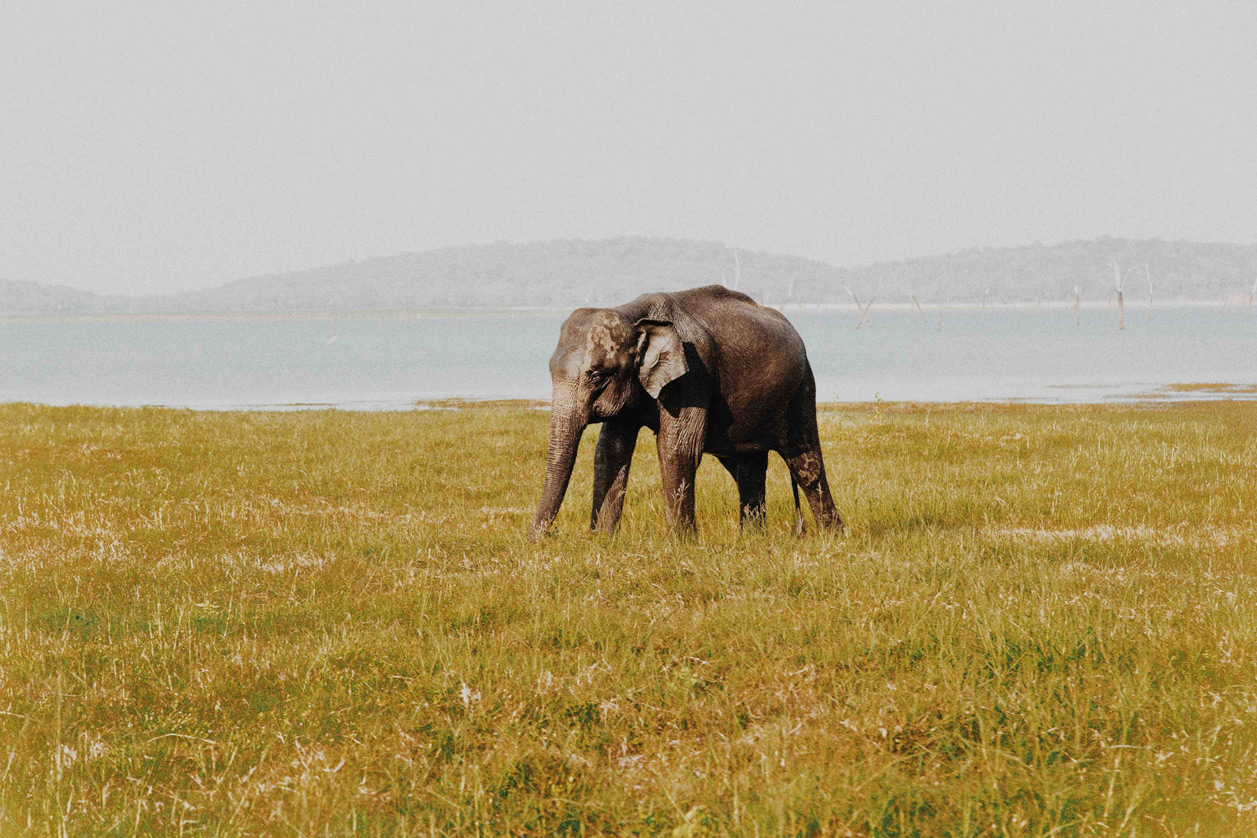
pixel 612 400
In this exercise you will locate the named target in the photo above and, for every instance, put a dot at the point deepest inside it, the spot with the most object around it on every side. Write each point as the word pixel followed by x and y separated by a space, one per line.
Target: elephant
pixel 709 371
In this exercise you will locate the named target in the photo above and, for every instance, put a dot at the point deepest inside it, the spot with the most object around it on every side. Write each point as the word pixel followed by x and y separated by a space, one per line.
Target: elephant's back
pixel 761 364
pixel 744 329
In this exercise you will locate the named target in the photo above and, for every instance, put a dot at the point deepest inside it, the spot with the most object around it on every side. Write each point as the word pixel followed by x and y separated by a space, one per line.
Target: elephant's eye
pixel 596 376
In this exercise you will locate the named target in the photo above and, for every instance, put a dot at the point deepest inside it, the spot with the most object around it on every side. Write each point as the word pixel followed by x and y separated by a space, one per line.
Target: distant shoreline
pixel 1133 305
pixel 345 314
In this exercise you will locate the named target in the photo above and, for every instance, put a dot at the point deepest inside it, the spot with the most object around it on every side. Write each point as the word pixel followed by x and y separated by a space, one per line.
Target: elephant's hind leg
pixel 803 456
pixel 749 471
pixel 808 470
pixel 752 475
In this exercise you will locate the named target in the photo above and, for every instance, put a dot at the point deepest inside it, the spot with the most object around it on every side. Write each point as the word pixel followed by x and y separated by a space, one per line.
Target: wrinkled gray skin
pixel 708 370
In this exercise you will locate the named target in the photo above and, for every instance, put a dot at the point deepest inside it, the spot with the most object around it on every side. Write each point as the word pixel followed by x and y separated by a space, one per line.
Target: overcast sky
pixel 163 146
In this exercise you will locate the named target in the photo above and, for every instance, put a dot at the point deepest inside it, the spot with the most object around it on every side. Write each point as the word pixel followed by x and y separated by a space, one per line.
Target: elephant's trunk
pixel 567 423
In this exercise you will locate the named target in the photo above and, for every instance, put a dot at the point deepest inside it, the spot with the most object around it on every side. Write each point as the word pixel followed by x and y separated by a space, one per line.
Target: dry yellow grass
pixel 1041 622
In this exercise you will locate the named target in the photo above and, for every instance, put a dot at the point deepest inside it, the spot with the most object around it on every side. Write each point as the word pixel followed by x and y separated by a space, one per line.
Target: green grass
pixel 1042 621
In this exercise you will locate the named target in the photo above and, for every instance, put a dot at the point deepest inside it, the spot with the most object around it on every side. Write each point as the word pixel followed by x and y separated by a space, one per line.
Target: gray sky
pixel 163 146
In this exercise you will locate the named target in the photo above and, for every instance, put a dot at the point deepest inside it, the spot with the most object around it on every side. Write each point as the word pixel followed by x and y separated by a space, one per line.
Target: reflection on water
pixel 371 363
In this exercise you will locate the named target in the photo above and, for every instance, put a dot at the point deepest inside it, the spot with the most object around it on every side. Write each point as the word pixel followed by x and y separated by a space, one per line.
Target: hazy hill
pixel 33 298
pixel 1177 270
pixel 559 274
pixel 569 273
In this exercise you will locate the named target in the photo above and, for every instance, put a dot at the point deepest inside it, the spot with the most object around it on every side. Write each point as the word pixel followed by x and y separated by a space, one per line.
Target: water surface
pixel 376 362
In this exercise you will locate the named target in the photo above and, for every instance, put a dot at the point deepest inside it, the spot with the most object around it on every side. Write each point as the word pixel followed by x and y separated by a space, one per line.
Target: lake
pixel 1035 354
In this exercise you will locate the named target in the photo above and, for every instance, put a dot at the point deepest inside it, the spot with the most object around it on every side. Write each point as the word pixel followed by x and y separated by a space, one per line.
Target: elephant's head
pixel 604 364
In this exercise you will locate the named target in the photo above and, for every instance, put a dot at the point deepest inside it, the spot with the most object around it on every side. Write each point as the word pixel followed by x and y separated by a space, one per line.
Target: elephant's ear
pixel 661 356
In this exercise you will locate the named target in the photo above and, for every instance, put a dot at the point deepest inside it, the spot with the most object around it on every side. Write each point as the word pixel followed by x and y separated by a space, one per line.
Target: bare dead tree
pixel 862 307
pixel 920 311
pixel 1248 316
pixel 1119 280
pixel 737 270
pixel 865 313
pixel 1148 275
pixel 854 298
pixel 1077 306
pixel 985 292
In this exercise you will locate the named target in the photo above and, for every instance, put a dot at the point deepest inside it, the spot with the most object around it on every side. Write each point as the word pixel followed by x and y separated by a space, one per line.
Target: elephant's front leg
pixel 680 445
pixel 612 458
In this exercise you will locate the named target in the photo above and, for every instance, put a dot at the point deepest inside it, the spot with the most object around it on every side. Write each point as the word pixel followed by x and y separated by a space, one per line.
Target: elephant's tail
pixel 799 526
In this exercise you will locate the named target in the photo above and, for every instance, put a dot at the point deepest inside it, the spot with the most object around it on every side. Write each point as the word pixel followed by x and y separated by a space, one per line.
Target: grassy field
pixel 1041 621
